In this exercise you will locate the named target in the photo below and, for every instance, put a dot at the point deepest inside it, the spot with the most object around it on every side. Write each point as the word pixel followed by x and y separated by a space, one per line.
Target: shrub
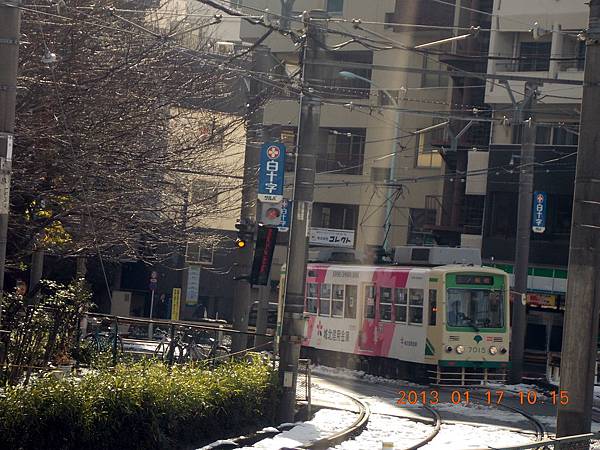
pixel 145 405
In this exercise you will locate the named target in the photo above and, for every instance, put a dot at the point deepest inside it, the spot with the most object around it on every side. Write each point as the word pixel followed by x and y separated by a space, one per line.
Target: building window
pixel 325 300
pixel 564 135
pixel 418 228
pixel 581 52
pixel 311 298
pixel 433 79
pixel 335 6
pixel 400 305
pixel 385 303
pixel 534 56
pixel 337 302
pixel 503 223
pixel 415 306
pixel 350 304
pixel 428 156
pixel 198 254
pixel 344 152
pixel 369 302
pixel 336 216
pixel 350 87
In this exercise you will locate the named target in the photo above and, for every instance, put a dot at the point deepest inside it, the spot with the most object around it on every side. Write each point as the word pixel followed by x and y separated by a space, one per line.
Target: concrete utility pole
pixel 306 151
pixel 519 324
pixel 580 332
pixel 243 292
pixel 10 30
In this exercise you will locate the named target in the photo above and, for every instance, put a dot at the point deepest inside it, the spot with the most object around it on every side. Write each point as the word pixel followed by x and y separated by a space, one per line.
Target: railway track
pixel 438 421
pixel 357 427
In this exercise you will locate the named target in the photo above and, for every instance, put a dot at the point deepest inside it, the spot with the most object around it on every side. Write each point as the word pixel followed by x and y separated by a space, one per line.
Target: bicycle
pixel 169 349
pixel 104 340
pixel 208 348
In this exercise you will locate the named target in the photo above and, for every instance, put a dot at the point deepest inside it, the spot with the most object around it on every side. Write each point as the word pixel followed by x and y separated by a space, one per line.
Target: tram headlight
pixel 448 348
pixel 460 349
pixel 503 350
pixel 493 350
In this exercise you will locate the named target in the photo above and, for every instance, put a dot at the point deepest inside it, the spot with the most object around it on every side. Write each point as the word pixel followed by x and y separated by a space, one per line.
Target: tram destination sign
pixel 271 172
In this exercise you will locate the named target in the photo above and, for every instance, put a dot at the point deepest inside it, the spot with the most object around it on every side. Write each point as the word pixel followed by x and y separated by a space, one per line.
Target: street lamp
pixel 389 202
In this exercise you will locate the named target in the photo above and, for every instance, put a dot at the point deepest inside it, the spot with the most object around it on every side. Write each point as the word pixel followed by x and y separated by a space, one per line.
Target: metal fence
pixel 303 383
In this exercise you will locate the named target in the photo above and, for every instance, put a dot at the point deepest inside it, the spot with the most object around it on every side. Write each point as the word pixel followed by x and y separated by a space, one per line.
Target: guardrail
pixel 134 330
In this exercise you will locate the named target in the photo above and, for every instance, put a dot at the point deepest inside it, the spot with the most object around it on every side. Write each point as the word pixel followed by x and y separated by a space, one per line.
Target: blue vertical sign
pixel 271 172
pixel 538 219
pixel 286 218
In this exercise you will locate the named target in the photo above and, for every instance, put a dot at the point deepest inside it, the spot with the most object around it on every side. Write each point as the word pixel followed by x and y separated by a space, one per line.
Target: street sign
pixel 175 303
pixel 332 237
pixel 153 280
pixel 271 172
pixel 269 213
pixel 193 285
pixel 286 215
pixel 266 239
pixel 538 219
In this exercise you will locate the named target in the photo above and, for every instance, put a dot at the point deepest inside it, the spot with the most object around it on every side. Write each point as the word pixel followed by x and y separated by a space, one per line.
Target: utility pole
pixel 580 332
pixel 10 30
pixel 519 324
pixel 306 150
pixel 262 62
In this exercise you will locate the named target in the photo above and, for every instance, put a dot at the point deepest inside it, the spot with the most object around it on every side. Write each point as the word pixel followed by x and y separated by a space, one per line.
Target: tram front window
pixel 475 308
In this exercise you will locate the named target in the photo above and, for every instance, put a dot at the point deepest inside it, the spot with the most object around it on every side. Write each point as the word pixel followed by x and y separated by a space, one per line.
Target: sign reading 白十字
pixel 538 219
pixel 271 172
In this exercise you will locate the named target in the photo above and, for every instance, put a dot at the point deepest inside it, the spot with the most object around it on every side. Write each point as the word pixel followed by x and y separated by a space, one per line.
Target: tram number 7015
pixel 470 349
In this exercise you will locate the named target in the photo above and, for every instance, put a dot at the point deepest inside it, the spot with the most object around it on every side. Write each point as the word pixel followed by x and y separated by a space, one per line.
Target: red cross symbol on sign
pixel 273 152
pixel 540 198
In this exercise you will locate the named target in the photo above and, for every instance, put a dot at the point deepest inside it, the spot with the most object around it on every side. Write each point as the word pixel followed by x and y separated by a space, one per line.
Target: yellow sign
pixel 542 300
pixel 175 303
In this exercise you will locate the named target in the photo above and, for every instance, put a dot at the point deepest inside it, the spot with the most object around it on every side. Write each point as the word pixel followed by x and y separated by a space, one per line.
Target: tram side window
pixel 369 302
pixel 350 304
pixel 337 303
pixel 325 300
pixel 432 306
pixel 415 306
pixel 385 303
pixel 311 298
pixel 400 304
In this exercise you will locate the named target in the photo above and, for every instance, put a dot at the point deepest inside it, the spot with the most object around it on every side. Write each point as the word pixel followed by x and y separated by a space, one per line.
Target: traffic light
pixel 245 234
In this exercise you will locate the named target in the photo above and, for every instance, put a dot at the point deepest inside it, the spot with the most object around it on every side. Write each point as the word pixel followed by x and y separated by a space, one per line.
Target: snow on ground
pixel 476 410
pixel 383 428
pixel 349 374
pixel 466 436
pixel 325 423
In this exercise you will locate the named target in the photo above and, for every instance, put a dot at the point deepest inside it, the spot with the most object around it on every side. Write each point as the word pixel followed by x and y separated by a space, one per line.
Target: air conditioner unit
pixel 224 48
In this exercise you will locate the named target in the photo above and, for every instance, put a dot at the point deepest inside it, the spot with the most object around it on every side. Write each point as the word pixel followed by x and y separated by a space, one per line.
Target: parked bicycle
pixel 104 338
pixel 190 346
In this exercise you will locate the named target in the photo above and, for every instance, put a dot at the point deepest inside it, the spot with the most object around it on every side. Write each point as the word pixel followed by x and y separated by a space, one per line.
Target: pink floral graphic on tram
pixel 375 337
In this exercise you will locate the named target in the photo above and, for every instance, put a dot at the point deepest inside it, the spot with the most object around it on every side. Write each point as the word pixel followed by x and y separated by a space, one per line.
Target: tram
pixel 445 324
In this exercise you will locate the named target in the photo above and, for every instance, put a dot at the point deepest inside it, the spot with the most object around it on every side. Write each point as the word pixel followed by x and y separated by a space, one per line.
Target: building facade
pixel 371 121
pixel 537 39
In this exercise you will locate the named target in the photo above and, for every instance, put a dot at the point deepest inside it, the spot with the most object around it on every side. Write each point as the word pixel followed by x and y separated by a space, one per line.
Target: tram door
pixel 367 321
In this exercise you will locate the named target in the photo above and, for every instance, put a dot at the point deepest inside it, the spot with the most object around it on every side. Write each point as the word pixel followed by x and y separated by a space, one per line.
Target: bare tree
pixel 113 137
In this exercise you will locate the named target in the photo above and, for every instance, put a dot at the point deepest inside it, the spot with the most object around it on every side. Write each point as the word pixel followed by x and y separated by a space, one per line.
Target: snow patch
pixel 349 374
pixel 325 423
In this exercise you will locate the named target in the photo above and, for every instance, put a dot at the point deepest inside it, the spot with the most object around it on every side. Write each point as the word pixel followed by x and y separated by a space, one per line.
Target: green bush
pixel 146 405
